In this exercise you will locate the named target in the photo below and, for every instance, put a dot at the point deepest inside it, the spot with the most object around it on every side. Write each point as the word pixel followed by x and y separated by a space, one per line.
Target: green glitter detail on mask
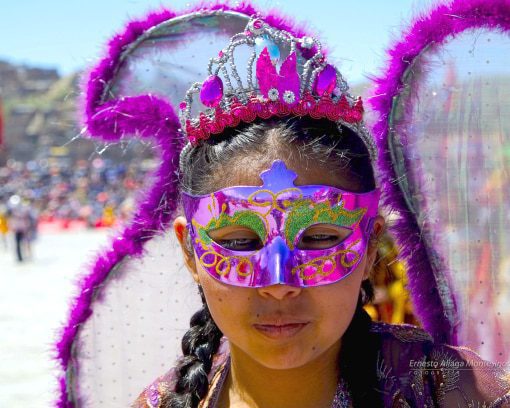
pixel 305 213
pixel 249 219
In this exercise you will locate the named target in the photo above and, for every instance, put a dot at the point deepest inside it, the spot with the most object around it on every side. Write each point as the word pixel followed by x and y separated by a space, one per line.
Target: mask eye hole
pixel 322 236
pixel 236 238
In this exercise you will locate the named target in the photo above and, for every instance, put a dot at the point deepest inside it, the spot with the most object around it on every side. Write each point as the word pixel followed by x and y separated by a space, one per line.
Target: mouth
pixel 283 330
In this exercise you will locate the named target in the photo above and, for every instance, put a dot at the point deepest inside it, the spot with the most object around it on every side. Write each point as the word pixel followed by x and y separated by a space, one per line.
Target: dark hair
pixel 321 142
pixel 205 168
pixel 199 345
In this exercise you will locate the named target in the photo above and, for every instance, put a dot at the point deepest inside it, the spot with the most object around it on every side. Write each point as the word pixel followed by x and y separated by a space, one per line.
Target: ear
pixel 182 234
pixel 377 231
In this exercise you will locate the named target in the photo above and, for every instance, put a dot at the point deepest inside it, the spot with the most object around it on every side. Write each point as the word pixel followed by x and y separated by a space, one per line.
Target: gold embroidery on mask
pixel 317 265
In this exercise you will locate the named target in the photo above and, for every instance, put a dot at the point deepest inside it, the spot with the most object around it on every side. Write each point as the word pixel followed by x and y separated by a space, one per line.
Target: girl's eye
pixel 240 244
pixel 322 236
pixel 236 238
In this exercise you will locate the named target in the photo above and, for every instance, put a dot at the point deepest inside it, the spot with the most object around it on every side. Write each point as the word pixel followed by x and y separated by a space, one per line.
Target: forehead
pixel 247 173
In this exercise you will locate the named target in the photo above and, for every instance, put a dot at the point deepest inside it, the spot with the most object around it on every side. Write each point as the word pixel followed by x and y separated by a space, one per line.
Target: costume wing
pixel 444 134
pixel 134 303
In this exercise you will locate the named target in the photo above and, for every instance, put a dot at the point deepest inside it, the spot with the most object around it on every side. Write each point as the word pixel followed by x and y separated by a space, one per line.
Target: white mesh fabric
pixel 457 133
pixel 136 328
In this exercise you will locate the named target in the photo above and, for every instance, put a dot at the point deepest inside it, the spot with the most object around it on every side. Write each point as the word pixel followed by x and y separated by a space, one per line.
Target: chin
pixel 285 361
pixel 285 357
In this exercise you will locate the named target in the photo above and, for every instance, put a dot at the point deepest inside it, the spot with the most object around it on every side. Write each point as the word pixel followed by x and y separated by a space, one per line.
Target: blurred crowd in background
pixel 65 195
pixel 50 180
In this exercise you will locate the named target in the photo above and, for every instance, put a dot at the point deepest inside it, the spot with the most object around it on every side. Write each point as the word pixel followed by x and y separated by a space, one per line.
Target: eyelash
pixel 320 237
pixel 241 244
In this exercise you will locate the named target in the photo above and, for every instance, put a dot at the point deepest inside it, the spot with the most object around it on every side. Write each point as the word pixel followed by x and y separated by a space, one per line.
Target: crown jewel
pixel 292 78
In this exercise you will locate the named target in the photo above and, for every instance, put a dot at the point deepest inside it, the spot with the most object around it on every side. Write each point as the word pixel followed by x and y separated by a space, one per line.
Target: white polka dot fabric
pixel 137 324
pixel 141 313
pixel 455 122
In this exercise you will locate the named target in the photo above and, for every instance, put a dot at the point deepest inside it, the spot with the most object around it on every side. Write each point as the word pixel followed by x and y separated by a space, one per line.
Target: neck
pixel 250 384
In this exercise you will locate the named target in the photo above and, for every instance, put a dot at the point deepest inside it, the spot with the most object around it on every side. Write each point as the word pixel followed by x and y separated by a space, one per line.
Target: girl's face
pixel 279 326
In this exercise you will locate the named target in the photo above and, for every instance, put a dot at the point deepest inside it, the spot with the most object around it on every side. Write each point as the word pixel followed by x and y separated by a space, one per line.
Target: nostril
pixel 280 291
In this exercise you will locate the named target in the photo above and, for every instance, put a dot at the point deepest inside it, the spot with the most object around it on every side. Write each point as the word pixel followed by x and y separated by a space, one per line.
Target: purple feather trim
pixel 153 216
pixel 145 116
pixel 106 68
pixel 439 25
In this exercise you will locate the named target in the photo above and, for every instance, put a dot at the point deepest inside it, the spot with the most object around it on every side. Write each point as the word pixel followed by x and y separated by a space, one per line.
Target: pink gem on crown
pixel 298 86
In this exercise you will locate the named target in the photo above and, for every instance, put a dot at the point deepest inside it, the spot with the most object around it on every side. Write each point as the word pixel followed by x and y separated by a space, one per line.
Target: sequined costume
pixel 412 371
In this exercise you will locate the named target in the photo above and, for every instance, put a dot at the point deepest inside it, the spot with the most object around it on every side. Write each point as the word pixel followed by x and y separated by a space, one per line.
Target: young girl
pixel 279 231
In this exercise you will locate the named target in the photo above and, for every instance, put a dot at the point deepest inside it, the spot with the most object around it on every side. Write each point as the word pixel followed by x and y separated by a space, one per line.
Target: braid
pixel 199 345
pixel 358 357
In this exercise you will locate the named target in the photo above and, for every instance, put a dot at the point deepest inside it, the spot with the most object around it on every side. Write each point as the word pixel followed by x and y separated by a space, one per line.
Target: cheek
pixel 329 307
pixel 228 304
pixel 338 303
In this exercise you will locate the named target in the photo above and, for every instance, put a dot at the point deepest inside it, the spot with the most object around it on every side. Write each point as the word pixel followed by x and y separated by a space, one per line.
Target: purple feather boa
pixel 434 28
pixel 146 116
pixel 102 124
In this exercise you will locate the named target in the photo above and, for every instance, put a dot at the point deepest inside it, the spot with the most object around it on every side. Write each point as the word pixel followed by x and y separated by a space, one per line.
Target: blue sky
pixel 69 35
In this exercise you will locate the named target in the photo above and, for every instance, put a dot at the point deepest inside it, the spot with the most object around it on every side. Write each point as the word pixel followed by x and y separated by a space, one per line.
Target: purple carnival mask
pixel 278 213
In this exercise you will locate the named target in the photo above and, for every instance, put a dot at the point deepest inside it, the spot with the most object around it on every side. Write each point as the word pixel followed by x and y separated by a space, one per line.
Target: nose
pixel 279 292
pixel 278 255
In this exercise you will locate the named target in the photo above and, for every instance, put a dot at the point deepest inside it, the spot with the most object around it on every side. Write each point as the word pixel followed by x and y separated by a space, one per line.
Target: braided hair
pixel 199 344
pixel 202 171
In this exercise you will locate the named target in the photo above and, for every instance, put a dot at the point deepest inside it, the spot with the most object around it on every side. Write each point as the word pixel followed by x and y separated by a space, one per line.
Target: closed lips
pixel 280 329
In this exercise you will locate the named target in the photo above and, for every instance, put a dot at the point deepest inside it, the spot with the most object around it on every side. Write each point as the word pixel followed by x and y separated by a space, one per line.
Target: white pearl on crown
pixel 273 94
pixel 289 97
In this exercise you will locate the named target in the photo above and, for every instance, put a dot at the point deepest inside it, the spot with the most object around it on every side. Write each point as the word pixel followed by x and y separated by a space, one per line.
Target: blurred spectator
pixel 20 223
pixel 3 225
pixel 96 193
